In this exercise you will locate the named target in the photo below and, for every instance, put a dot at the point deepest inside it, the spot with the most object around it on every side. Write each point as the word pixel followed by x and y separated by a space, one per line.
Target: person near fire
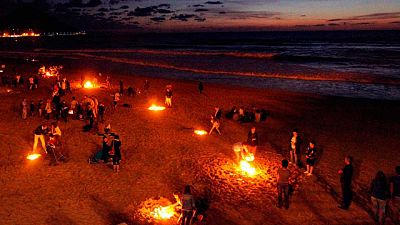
pixel 168 97
pixel 283 185
pixel 252 141
pixel 188 206
pixel 116 157
pixel 39 134
pixel 294 147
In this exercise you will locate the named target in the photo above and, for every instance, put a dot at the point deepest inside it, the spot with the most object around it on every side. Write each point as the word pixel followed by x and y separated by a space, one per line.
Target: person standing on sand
pixel 168 97
pixel 146 85
pixel 200 87
pixel 395 193
pixel 310 158
pixel 74 104
pixel 252 141
pixel 40 107
pixel 24 106
pixel 379 195
pixel 294 148
pixel 117 153
pixel 39 133
pixel 188 206
pixel 48 109
pixel 31 82
pixel 346 175
pixel 121 87
pixel 115 100
pixel 101 109
pixel 283 184
pixel 36 81
pixel 32 108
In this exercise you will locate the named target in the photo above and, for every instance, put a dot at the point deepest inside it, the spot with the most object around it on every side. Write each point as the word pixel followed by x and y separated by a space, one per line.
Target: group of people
pixel 381 189
pixel 244 115
pixel 18 80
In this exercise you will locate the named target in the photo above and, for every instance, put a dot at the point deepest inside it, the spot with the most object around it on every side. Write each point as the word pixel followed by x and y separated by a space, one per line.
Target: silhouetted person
pixel 117 153
pixel 121 87
pixel 379 196
pixel 310 158
pixel 346 175
pixel 283 184
pixel 200 86
pixel 188 206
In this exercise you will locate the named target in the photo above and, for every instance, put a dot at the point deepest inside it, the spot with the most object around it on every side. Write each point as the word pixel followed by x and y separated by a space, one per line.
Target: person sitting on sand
pixel 168 97
pixel 39 134
pixel 283 184
pixel 310 158
pixel 117 153
pixel 252 141
pixel 188 206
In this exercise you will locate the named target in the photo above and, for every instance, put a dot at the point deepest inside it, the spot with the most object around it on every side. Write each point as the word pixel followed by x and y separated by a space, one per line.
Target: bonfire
pixel 200 132
pixel 33 156
pixel 247 169
pixel 159 211
pixel 155 107
pixel 88 85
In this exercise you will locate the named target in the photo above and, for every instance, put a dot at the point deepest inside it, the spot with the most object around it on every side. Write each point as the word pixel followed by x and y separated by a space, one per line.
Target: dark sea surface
pixel 374 56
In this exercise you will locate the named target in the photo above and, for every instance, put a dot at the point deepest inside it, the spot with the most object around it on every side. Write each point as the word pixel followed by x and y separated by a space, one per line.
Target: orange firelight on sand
pixel 200 132
pixel 88 84
pixel 163 212
pixel 155 107
pixel 246 168
pixel 33 156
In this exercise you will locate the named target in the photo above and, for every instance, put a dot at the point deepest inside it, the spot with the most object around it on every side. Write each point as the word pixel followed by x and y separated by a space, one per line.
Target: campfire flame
pixel 163 213
pixel 49 74
pixel 155 107
pixel 200 132
pixel 247 168
pixel 33 156
pixel 249 157
pixel 88 84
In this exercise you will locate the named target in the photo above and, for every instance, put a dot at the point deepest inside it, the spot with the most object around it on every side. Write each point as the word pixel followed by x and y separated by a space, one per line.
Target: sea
pixel 357 64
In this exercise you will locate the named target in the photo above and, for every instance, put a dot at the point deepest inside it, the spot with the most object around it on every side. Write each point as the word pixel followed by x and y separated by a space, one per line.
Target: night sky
pixel 230 15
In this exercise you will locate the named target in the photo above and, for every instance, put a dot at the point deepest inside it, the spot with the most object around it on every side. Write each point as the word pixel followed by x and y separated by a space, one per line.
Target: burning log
pixel 33 156
pixel 155 107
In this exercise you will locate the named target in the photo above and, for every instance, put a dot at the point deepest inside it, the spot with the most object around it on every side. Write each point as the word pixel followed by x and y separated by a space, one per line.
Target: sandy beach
pixel 160 153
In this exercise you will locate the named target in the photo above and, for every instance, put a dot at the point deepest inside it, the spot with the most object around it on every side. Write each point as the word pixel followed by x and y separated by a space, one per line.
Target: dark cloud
pixel 318 25
pixel 199 19
pixel 164 11
pixel 214 2
pixel 146 11
pixel 93 3
pixel 201 10
pixel 79 3
pixel 124 7
pixel 113 2
pixel 333 24
pixel 373 16
pixel 395 22
pixel 116 13
pixel 198 5
pixel 222 12
pixel 303 15
pixel 239 15
pixel 364 23
pixel 164 6
pixel 183 17
pixel 102 10
pixel 158 19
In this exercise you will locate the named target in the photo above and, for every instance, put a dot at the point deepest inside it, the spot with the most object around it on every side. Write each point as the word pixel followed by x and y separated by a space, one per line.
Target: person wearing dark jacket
pixel 101 109
pixel 117 153
pixel 311 153
pixel 346 175
pixel 294 147
pixel 217 114
pixel 168 97
pixel 188 206
pixel 379 195
pixel 252 141
pixel 39 134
